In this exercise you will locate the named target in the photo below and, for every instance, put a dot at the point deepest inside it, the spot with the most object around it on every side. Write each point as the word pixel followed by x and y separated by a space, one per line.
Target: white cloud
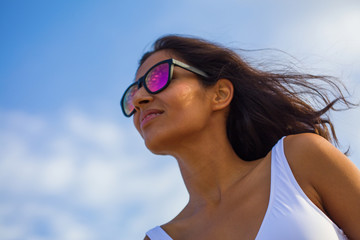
pixel 328 32
pixel 99 181
pixel 57 175
pixel 102 133
pixel 79 176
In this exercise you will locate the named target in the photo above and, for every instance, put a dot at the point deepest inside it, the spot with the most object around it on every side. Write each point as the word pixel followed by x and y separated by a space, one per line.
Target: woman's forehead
pixel 152 60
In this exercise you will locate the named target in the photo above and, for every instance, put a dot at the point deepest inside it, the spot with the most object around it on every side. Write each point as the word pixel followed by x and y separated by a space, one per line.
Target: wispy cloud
pixel 75 178
pixel 327 34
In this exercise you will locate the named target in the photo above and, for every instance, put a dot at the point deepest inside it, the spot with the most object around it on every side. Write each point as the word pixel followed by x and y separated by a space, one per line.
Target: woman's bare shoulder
pixel 334 177
pixel 304 140
pixel 315 154
pixel 306 147
pixel 314 160
pixel 147 238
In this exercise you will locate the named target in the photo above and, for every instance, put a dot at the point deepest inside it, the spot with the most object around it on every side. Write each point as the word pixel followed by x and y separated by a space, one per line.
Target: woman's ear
pixel 223 94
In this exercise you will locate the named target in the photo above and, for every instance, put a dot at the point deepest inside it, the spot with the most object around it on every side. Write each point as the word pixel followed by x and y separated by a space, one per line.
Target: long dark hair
pixel 266 105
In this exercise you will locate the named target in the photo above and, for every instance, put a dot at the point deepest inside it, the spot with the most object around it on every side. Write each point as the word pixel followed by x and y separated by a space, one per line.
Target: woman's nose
pixel 141 98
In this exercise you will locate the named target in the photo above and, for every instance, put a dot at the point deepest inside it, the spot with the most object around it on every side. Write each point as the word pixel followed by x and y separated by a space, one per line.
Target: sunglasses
pixel 156 79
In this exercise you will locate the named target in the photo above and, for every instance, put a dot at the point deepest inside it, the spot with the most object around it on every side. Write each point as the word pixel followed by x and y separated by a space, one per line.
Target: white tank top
pixel 290 213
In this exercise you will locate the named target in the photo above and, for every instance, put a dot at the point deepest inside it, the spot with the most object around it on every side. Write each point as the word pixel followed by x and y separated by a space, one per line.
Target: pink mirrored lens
pixel 128 105
pixel 158 77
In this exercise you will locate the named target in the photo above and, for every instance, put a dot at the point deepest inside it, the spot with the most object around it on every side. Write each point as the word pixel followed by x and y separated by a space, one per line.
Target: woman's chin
pixel 156 147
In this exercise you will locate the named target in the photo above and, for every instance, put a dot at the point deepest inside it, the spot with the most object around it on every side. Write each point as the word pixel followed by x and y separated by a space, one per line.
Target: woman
pixel 254 154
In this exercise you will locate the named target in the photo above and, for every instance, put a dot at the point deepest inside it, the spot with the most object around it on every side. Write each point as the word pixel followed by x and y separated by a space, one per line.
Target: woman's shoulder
pixel 302 153
pixel 310 155
pixel 306 147
pixel 331 179
pixel 304 140
pixel 315 157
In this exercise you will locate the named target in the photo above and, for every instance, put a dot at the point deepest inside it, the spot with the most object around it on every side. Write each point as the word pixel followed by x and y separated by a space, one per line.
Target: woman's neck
pixel 209 167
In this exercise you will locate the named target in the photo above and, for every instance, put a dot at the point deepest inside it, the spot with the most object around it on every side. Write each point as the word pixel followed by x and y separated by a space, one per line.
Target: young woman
pixel 254 153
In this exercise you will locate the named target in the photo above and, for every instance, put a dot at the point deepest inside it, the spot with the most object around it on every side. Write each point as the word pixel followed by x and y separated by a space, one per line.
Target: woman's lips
pixel 148 115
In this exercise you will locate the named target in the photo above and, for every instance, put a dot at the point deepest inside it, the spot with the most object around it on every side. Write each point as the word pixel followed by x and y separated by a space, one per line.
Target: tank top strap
pixel 279 164
pixel 157 233
pixel 283 183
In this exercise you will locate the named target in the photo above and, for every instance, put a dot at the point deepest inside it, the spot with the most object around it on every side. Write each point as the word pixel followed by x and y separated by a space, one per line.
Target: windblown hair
pixel 266 105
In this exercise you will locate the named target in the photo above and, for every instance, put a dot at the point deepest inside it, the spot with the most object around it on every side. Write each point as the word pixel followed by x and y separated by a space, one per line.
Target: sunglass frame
pixel 141 81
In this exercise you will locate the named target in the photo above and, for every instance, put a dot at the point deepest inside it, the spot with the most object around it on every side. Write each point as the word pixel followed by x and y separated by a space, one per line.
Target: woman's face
pixel 174 116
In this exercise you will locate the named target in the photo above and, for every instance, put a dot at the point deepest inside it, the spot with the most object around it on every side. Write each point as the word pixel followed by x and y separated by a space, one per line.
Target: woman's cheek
pixel 186 94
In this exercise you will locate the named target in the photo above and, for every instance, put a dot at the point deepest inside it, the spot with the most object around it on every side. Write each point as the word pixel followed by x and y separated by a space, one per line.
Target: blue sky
pixel 71 166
